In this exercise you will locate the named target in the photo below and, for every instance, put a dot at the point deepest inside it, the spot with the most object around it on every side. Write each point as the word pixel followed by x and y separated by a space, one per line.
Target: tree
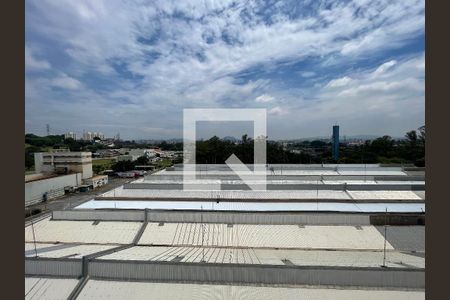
pixel 29 156
pixel 98 168
pixel 411 137
pixel 142 160
pixel 123 166
pixel 422 134
pixel 382 146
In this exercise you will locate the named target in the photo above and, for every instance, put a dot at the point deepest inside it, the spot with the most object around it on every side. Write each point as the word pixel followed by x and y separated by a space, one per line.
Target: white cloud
pixel 381 69
pixel 65 82
pixel 307 74
pixel 34 64
pixel 193 65
pixel 264 98
pixel 277 111
pixel 340 82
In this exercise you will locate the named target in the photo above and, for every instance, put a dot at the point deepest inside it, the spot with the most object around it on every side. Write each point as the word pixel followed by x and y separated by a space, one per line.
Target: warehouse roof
pixel 135 194
pixel 96 289
pixel 268 256
pixel 48 288
pixel 264 236
pixel 292 172
pixel 82 232
pixel 254 206
pixel 60 250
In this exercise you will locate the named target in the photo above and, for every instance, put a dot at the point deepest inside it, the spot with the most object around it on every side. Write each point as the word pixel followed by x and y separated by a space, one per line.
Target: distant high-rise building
pixel 335 142
pixel 87 136
pixel 71 135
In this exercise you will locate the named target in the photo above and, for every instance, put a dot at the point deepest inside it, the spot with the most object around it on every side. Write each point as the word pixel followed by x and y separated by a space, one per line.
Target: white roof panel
pixel 52 231
pixel 253 206
pixel 96 289
pixel 37 288
pixel 268 256
pixel 264 236
pixel 384 195
pixel 224 194
pixel 62 250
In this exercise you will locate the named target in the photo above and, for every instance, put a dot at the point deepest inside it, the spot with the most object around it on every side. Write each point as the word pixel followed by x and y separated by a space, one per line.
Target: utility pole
pixel 384 250
pixel 34 238
pixel 317 194
pixel 203 233
pixel 365 171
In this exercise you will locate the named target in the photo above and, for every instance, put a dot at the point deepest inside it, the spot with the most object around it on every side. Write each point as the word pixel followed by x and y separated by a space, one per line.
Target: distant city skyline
pixel 311 64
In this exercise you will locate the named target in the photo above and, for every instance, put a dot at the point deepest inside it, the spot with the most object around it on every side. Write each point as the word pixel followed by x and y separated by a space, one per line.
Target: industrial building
pixel 64 161
pixel 318 232
pixel 41 187
pixel 58 172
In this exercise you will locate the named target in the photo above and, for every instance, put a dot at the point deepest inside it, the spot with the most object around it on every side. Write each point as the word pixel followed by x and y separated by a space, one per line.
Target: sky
pixel 131 67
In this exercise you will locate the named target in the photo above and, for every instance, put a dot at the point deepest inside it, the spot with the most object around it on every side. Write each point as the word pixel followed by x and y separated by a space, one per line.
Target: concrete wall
pixel 38 162
pixel 226 273
pixel 60 267
pixel 35 190
pixel 278 218
pixel 100 215
pixel 259 218
pixel 260 274
pixel 338 187
pixel 168 176
pixel 274 218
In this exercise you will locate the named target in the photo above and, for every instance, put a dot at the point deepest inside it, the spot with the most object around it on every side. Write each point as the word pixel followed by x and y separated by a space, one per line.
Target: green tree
pixel 142 160
pixel 382 146
pixel 123 166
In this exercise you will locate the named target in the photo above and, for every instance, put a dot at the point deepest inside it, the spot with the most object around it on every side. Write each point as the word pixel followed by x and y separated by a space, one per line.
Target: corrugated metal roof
pixel 260 195
pixel 63 250
pixel 82 232
pixel 48 288
pixel 263 236
pixel 223 194
pixel 254 206
pixel 176 180
pixel 96 289
pixel 268 256
pixel 384 195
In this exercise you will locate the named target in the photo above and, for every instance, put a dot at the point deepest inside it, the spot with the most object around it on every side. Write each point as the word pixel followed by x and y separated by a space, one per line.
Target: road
pixel 70 201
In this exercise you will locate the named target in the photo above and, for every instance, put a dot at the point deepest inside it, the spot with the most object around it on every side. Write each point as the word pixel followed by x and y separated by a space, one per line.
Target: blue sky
pixel 132 66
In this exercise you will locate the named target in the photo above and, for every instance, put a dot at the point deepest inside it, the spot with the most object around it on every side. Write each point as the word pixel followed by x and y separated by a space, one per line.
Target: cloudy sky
pixel 132 66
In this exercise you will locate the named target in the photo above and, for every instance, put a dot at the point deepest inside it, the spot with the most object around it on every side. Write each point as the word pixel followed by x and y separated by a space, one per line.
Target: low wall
pixel 259 218
pixel 275 218
pixel 256 274
pixel 269 218
pixel 53 267
pixel 335 187
pixel 100 215
pixel 168 176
